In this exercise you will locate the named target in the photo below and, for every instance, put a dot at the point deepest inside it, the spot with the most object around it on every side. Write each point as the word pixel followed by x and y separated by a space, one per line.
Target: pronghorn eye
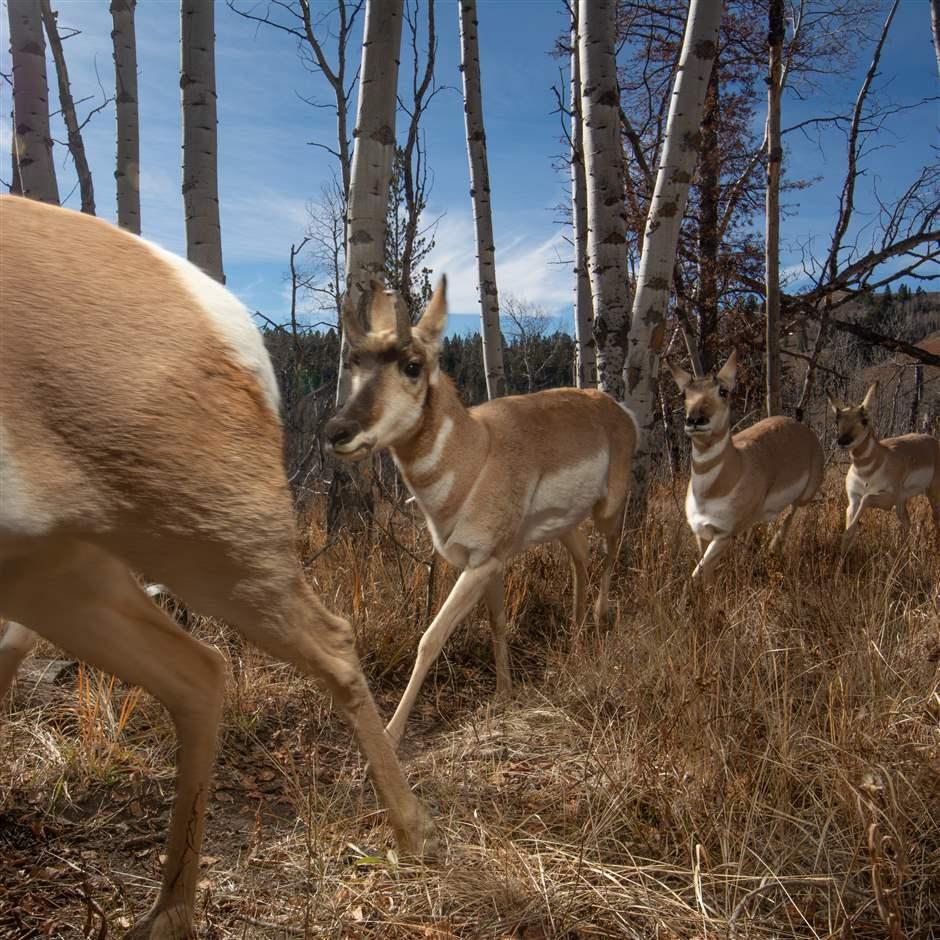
pixel 722 391
pixel 412 369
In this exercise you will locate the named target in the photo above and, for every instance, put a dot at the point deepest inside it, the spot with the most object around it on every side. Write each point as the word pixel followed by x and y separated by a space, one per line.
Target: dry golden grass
pixel 758 760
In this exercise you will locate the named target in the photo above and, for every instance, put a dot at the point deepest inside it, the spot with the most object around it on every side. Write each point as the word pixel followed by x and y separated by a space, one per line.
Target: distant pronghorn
pixel 491 480
pixel 739 481
pixel 885 474
pixel 139 429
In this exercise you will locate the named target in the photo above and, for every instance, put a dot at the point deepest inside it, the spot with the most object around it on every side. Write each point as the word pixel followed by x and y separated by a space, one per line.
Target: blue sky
pixel 269 172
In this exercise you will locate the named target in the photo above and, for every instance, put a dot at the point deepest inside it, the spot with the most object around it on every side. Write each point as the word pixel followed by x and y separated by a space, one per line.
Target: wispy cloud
pixel 529 269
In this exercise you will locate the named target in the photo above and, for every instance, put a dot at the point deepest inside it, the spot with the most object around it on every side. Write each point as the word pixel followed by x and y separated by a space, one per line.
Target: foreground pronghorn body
pixel 140 431
pixel 490 480
pixel 740 480
pixel 885 474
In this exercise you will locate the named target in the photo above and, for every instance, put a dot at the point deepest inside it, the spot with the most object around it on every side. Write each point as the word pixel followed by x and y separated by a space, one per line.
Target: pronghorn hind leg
pixel 88 603
pixel 900 510
pixel 575 541
pixel 15 646
pixel 460 602
pixel 495 597
pixel 611 527
pixel 780 536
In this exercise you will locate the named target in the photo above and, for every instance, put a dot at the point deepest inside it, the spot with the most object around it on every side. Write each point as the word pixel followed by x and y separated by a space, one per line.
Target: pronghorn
pixel 140 430
pixel 885 474
pixel 491 480
pixel 744 479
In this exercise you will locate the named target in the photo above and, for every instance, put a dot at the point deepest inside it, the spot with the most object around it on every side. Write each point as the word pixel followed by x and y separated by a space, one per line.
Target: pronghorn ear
pixel 834 404
pixel 729 370
pixel 381 307
pixel 683 379
pixel 869 398
pixel 434 319
pixel 352 324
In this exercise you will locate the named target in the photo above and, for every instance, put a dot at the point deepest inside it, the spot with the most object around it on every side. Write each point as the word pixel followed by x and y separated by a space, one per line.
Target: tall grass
pixel 756 759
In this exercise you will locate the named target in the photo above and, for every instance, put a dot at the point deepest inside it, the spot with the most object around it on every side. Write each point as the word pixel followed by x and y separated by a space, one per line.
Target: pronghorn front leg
pixel 15 646
pixel 466 592
pixel 716 548
pixel 495 596
pixel 852 514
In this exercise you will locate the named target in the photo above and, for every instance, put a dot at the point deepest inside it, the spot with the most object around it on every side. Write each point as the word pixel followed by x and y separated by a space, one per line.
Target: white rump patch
pixel 230 317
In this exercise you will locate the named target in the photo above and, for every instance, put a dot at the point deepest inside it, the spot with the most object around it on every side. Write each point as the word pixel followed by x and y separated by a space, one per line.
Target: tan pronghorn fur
pixel 140 431
pixel 491 480
pixel 885 474
pixel 742 479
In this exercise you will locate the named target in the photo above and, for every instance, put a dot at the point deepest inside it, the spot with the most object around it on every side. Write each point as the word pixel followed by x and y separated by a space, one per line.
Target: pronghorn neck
pixel 868 454
pixel 710 457
pixel 428 459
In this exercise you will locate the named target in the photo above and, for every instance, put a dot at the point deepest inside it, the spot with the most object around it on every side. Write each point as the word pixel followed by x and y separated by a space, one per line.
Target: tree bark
pixel 200 126
pixel 127 169
pixel 480 194
pixel 585 353
pixel 16 184
pixel 67 105
pixel 775 38
pixel 679 155
pixel 373 154
pixel 606 218
pixel 32 140
pixel 709 240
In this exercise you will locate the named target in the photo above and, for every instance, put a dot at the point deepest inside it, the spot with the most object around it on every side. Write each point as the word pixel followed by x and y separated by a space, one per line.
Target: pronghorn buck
pixel 742 479
pixel 885 474
pixel 491 480
pixel 140 431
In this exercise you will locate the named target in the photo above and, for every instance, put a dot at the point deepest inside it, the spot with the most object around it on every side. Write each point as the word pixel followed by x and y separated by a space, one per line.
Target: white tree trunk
pixel 480 194
pixel 127 170
pixel 200 124
pixel 935 26
pixel 775 38
pixel 585 355
pixel 606 219
pixel 76 144
pixel 32 141
pixel 661 235
pixel 373 154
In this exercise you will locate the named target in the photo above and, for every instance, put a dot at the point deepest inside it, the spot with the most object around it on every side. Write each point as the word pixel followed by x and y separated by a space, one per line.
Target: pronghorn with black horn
pixel 742 479
pixel 885 474
pixel 139 430
pixel 491 480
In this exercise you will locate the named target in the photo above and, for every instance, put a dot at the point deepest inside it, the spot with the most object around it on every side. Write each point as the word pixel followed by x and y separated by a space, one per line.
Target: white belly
pixel 916 482
pixel 778 500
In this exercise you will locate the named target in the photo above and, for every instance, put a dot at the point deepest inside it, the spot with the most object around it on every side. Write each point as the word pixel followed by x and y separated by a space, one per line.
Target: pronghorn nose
pixel 696 420
pixel 843 440
pixel 340 430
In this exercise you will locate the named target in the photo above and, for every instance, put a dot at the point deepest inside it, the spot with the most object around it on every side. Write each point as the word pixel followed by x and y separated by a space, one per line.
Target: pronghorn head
pixel 392 364
pixel 707 398
pixel 852 421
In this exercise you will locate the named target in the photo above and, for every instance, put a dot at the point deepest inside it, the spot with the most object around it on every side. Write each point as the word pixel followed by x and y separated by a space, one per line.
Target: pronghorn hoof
pixel 175 923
